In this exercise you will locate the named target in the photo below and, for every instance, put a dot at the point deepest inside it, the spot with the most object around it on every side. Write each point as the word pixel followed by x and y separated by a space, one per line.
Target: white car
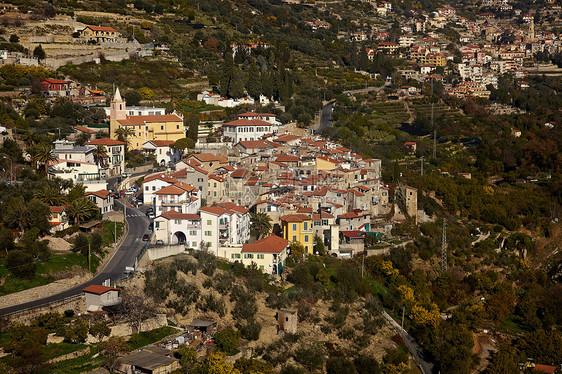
pixel 126 175
pixel 130 192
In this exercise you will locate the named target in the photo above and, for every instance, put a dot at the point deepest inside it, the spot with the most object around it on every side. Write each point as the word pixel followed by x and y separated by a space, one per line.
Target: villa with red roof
pixel 178 228
pixel 269 254
pixel 112 162
pixel 100 34
pixel 103 199
pixel 224 226
pixel 55 87
pixel 179 196
pixel 98 296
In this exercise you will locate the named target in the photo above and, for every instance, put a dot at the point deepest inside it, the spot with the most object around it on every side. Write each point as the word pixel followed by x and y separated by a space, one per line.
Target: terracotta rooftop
pixel 105 141
pixel 270 244
pixel 296 218
pixel 98 289
pixel 101 193
pixel 141 120
pixel 172 214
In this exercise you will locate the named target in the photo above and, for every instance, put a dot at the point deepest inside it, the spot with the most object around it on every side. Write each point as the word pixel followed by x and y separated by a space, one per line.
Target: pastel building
pixel 297 228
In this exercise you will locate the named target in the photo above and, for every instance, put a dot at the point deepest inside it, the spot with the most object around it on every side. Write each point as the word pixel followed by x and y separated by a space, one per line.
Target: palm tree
pixel 44 156
pixel 82 209
pixel 260 223
pixel 99 153
pixel 49 195
pixel 123 134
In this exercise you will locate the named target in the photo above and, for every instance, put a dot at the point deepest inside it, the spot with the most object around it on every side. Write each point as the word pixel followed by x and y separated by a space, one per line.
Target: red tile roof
pixel 141 120
pixel 239 173
pixel 209 157
pixel 353 234
pixel 105 141
pixel 270 244
pixel 252 181
pixel 172 214
pixel 98 289
pixel 162 177
pixel 56 209
pixel 296 218
pixel 545 368
pixel 255 144
pixel 101 193
pixel 170 190
pixel 233 207
pixel 84 129
pixel 162 143
pixel 100 28
pixel 287 158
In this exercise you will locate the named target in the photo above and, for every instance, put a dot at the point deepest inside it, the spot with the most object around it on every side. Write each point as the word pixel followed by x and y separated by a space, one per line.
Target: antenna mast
pixel 444 247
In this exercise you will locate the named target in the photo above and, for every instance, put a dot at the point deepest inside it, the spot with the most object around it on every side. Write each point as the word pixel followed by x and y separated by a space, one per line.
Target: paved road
pixel 325 118
pixel 114 269
pixel 413 347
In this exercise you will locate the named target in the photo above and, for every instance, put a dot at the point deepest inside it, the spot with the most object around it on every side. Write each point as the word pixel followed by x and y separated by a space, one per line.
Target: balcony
pixel 223 226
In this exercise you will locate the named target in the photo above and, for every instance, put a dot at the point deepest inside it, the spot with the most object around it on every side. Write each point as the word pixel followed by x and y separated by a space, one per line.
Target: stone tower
pixel 117 111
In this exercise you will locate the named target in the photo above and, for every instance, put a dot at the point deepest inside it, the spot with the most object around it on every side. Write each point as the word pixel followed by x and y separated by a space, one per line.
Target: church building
pixel 144 128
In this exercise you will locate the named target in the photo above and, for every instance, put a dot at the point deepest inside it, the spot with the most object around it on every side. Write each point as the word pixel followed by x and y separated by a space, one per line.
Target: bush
pixel 227 340
pixel 21 264
pixel 340 365
pixel 311 356
pixel 251 330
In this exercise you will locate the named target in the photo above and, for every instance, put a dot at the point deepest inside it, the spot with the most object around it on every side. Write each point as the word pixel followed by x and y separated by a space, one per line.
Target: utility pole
pixel 403 310
pixel 433 125
pixel 89 257
pixel 444 247
pixel 422 157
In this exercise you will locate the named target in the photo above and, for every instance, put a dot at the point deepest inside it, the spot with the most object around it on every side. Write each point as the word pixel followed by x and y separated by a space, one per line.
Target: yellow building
pixel 144 128
pixel 298 228
pixel 100 33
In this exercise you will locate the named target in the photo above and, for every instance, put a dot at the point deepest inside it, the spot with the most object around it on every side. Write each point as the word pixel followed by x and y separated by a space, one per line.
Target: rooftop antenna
pixel 444 247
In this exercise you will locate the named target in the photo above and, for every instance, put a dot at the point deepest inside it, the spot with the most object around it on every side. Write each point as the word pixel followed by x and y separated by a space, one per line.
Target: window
pixel 177 221
pixel 192 232
pixel 199 179
pixel 177 127
pixel 146 188
pixel 294 238
pixel 161 127
pixel 294 227
pixel 306 238
pixel 157 224
pixel 260 256
pixel 261 267
pixel 208 233
pixel 235 255
pixel 153 188
pixel 209 222
pixel 194 244
pixel 324 222
pixel 249 256
pixel 306 226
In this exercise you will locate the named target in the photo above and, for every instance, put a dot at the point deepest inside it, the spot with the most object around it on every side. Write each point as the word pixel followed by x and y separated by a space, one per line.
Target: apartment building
pixel 298 228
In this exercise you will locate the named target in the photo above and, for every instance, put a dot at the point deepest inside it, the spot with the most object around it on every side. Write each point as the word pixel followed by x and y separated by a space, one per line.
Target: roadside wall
pixel 157 253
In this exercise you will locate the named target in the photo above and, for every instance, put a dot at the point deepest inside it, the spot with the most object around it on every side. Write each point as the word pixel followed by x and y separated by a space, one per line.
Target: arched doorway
pixel 178 238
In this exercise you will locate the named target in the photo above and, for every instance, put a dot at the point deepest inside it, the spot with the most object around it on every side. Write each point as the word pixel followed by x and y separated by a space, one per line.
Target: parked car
pixel 151 226
pixel 151 215
pixel 126 174
pixel 145 237
pixel 159 242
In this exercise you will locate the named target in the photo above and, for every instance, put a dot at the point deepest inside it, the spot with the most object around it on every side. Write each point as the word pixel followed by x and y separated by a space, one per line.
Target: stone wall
pixel 157 253
pixel 78 304
pixel 125 329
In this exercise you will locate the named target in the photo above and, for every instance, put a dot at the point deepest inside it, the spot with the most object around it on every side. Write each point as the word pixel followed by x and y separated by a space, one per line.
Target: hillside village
pixel 270 186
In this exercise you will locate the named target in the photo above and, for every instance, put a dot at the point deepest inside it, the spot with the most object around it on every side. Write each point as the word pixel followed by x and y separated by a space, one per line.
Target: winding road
pixel 124 256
